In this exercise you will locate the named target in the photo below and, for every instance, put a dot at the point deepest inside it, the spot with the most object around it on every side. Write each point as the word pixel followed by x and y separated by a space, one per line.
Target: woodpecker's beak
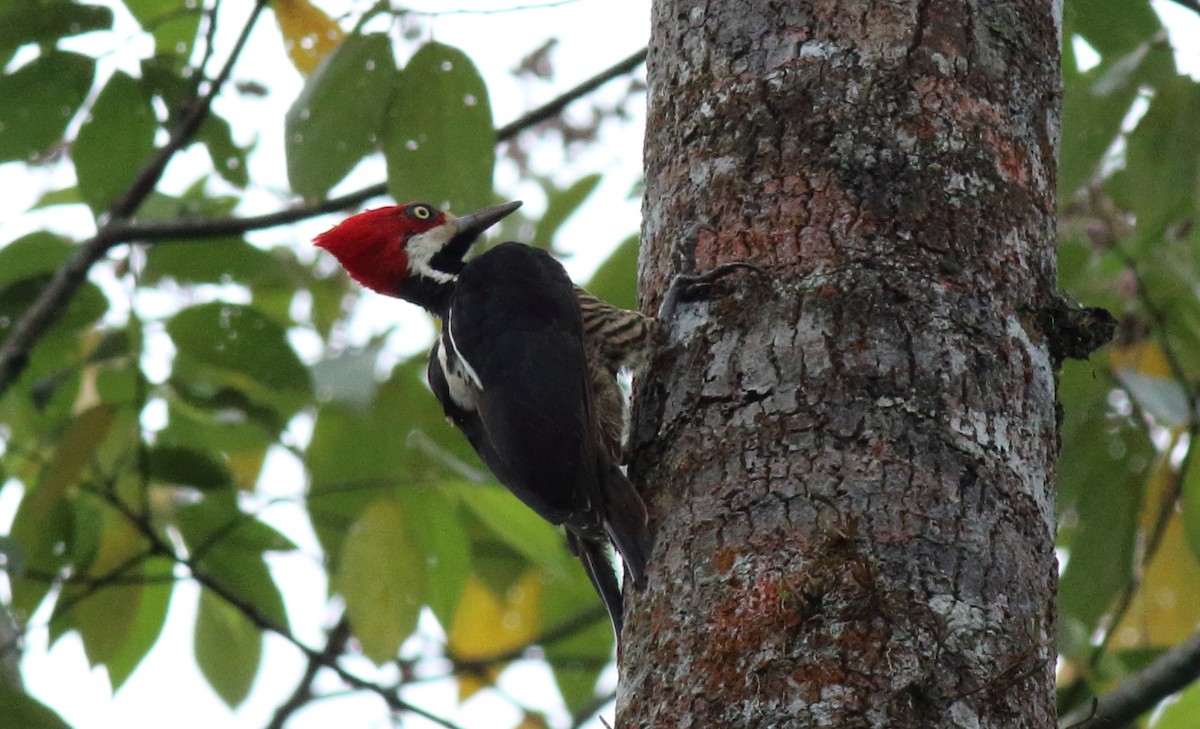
pixel 472 225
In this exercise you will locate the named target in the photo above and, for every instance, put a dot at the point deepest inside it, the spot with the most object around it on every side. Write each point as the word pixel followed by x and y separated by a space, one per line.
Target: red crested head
pixel 384 248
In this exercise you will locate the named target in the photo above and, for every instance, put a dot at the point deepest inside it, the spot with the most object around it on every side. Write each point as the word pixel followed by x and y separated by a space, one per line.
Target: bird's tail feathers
pixel 600 572
pixel 626 522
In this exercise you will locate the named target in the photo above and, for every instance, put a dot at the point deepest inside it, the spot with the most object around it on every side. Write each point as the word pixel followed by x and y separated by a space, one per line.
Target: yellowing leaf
pixel 1167 607
pixel 246 466
pixel 532 720
pixel 486 626
pixel 106 615
pixel 383 580
pixel 1144 357
pixel 308 33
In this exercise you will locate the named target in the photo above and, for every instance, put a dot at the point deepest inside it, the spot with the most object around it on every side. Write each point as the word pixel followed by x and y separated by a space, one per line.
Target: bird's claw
pixel 687 287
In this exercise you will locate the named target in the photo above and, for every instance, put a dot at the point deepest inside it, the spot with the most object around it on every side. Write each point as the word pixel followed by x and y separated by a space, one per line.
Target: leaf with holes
pixel 438 139
pixel 339 114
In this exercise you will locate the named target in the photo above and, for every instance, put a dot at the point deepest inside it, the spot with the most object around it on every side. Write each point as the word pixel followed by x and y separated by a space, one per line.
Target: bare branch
pixel 303 693
pixel 1139 693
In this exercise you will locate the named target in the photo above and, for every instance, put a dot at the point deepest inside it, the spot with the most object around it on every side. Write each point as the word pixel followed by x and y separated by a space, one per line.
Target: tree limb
pixel 1139 693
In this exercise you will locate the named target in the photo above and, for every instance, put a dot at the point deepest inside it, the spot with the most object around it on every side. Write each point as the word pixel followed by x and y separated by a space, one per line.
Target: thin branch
pixel 303 693
pixel 191 228
pixel 551 109
pixel 261 621
pixel 68 279
pixel 1142 691
pixel 14 355
pixel 592 708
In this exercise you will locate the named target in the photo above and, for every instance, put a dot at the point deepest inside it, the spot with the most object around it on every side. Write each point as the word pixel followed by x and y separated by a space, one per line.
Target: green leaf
pixel 243 444
pixel 148 621
pixel 227 545
pixel 217 521
pixel 382 576
pixel 105 616
pixel 44 516
pixel 228 648
pixel 615 281
pixel 560 205
pixel 45 22
pixel 115 143
pixel 33 255
pixel 1191 508
pixel 578 658
pixel 436 530
pixel 173 23
pixel 514 523
pixel 355 456
pixel 40 99
pixel 339 114
pixel 222 261
pixel 439 140
pixel 229 160
pixel 1159 181
pixel 1091 121
pixel 65 196
pixel 1112 27
pixel 1101 543
pixel 174 464
pixel 1181 714
pixel 22 710
pixel 233 357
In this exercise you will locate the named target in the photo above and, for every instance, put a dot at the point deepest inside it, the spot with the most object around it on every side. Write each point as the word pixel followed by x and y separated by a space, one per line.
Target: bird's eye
pixel 420 212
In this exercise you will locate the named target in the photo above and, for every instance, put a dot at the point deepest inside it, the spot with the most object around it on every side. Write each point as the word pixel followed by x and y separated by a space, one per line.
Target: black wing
pixel 514 325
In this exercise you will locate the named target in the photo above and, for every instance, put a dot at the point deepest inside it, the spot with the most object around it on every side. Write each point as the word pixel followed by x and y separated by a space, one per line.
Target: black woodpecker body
pixel 514 372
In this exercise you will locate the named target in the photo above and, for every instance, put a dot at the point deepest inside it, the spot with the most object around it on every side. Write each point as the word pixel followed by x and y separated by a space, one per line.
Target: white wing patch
pixel 468 370
pixel 461 378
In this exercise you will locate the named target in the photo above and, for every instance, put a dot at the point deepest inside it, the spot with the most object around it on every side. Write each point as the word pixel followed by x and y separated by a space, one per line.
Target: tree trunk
pixel 849 459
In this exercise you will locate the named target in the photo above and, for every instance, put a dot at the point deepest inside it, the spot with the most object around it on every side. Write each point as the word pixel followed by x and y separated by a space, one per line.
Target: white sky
pixel 167 690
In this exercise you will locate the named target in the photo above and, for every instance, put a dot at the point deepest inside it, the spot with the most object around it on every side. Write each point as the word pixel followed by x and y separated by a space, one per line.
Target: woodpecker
pixel 519 368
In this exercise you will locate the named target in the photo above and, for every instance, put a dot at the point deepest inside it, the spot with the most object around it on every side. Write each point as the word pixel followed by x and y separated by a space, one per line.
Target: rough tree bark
pixel 850 460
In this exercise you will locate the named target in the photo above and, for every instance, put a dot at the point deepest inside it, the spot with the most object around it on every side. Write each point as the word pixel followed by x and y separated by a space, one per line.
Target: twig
pixel 14 355
pixel 1139 693
pixel 592 708
pixel 261 621
pixel 303 692
pixel 191 228
pixel 67 280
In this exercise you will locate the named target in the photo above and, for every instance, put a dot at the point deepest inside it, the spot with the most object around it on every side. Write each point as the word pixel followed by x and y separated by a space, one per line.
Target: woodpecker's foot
pixel 687 287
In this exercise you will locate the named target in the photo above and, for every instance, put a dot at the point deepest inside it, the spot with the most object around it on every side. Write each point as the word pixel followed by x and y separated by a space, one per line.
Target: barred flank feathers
pixel 619 337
